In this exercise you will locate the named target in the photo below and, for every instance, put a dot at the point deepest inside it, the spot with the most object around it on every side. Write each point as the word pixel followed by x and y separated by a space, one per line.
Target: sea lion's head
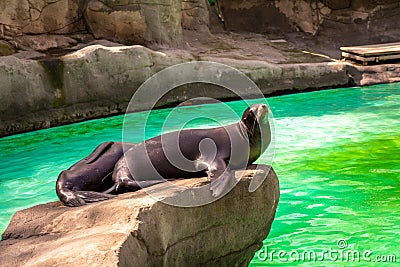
pixel 257 128
pixel 255 116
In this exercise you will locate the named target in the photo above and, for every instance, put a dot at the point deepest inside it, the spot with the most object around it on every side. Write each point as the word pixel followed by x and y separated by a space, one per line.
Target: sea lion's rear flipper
pixel 91 196
pixel 70 198
pixel 221 178
pixel 98 151
pixel 80 198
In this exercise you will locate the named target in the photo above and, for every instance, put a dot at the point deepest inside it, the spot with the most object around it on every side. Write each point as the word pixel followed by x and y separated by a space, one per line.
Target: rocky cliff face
pixel 40 25
pixel 43 25
pixel 136 230
pixel 135 22
pixel 327 24
pixel 310 16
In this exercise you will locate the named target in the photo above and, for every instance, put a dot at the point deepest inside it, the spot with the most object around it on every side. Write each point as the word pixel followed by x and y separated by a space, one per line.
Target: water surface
pixel 337 158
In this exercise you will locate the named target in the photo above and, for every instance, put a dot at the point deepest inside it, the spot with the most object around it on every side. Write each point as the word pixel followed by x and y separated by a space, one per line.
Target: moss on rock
pixel 6 49
pixel 55 72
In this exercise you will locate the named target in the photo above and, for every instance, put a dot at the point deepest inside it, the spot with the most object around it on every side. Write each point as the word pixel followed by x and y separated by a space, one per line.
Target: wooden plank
pixel 373 50
pixel 366 60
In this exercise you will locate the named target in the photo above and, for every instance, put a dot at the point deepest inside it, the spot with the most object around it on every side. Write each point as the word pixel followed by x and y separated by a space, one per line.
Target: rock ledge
pixel 135 230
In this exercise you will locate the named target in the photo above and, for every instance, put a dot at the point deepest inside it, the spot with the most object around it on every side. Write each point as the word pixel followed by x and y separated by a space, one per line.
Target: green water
pixel 337 158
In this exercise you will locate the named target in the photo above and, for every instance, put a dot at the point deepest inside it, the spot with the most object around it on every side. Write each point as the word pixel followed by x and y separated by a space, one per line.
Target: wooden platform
pixel 372 53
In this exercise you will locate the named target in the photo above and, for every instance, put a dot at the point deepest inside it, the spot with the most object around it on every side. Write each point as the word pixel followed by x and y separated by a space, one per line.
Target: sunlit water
pixel 337 158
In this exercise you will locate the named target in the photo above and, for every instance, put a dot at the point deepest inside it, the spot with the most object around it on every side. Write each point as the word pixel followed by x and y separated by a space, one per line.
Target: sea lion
pixel 194 153
pixel 84 181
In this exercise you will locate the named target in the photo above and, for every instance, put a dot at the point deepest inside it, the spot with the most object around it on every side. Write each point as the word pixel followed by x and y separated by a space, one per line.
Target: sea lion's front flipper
pixel 221 178
pixel 91 196
pixel 98 151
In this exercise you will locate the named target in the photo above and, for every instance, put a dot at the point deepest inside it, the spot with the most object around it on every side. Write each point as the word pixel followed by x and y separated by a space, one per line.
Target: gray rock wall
pixel 135 230
pixel 93 82
pixel 100 81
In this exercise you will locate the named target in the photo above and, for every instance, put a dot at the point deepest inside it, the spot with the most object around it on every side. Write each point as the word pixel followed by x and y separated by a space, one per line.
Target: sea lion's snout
pixel 264 106
pixel 262 111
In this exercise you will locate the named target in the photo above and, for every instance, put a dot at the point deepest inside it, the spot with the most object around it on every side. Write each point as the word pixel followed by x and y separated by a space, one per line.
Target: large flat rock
pixel 134 229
